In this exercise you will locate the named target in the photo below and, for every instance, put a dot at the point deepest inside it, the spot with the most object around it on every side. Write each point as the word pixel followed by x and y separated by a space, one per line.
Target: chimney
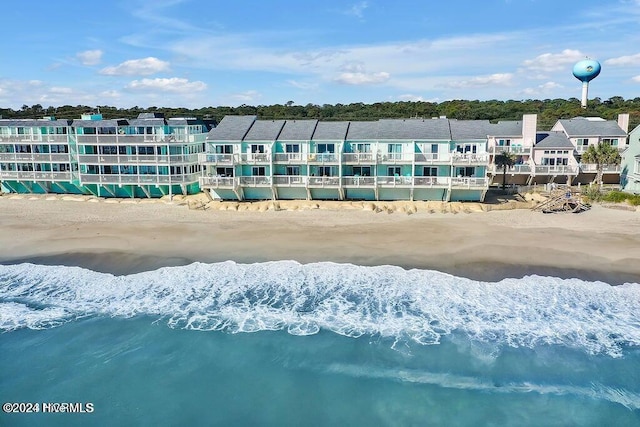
pixel 529 129
pixel 623 122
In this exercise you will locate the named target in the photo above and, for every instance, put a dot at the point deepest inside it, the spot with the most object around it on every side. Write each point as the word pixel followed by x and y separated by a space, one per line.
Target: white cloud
pixel 636 78
pixel 553 61
pixel 624 61
pixel 542 89
pixel 410 97
pixel 90 57
pixel 110 94
pixel 362 78
pixel 480 81
pixel 173 84
pixel 137 67
pixel 303 85
pixel 357 9
pixel 246 97
pixel 60 90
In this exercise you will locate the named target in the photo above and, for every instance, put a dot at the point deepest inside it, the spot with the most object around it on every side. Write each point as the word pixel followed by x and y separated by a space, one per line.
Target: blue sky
pixel 197 53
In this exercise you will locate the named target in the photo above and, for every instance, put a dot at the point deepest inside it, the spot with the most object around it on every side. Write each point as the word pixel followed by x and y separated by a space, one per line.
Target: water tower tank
pixel 586 70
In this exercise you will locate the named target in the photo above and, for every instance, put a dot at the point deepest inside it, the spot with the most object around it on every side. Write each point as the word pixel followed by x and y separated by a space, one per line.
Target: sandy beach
pixel 128 236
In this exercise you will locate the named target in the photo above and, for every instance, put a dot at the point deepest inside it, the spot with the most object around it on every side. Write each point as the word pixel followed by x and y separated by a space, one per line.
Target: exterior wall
pixel 630 165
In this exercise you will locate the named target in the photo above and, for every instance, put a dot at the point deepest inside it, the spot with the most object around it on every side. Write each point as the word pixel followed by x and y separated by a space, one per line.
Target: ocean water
pixel 281 343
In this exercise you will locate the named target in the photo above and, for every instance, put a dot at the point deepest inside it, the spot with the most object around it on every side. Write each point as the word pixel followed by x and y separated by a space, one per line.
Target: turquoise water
pixel 319 344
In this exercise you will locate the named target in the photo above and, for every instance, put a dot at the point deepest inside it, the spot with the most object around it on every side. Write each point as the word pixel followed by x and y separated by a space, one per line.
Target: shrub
pixel 592 193
pixel 615 197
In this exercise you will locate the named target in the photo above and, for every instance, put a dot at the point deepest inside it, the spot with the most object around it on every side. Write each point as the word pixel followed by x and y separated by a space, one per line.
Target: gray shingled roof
pixel 147 122
pixel 34 123
pixel 362 131
pixel 184 121
pixel 231 128
pixel 506 128
pixel 580 126
pixel 414 129
pixel 330 131
pixel 264 130
pixel 108 123
pixel 469 129
pixel 552 140
pixel 298 130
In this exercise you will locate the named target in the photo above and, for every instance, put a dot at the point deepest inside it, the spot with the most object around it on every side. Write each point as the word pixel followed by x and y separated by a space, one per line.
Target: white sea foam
pixel 596 391
pixel 414 305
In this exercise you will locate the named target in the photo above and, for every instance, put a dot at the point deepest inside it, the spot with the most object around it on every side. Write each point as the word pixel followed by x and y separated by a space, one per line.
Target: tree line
pixel 548 110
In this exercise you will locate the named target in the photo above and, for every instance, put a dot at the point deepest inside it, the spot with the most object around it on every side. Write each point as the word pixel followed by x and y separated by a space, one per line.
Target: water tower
pixel 585 71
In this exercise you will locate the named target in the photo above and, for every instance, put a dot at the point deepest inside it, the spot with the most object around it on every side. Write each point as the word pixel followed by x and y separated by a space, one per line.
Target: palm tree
pixel 505 160
pixel 602 155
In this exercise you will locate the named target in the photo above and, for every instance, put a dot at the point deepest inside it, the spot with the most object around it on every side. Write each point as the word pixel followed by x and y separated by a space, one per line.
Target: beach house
pixel 630 165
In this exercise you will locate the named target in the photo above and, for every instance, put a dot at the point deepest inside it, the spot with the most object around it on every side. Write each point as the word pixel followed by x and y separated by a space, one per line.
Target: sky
pixel 199 53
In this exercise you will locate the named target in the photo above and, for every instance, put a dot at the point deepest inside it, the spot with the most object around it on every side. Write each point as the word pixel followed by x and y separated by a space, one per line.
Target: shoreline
pixel 124 238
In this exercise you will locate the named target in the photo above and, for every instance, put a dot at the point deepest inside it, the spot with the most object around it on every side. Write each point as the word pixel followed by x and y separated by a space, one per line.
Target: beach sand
pixel 464 239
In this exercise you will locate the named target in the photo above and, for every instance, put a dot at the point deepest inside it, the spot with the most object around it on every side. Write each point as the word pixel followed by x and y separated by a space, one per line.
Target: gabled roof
pixel 231 128
pixel 298 130
pixel 264 130
pixel 506 128
pixel 552 139
pixel 154 121
pixel 103 123
pixel 469 129
pixel 330 131
pixel 34 123
pixel 581 126
pixel 362 131
pixel 414 129
pixel 184 121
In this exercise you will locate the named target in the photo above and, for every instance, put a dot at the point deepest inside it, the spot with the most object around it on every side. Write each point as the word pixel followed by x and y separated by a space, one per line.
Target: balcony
pixel 556 170
pixel 431 181
pixel 255 181
pixel 35 176
pixel 217 159
pixel 359 181
pixel 358 158
pixel 394 158
pixel 255 158
pixel 513 149
pixel 290 180
pixel 469 183
pixel 324 181
pixel 394 181
pixel 431 158
pixel 469 158
pixel 218 181
pixel 323 158
pixel 523 169
pixel 289 157
pixel 143 159
pixel 593 168
pixel 134 179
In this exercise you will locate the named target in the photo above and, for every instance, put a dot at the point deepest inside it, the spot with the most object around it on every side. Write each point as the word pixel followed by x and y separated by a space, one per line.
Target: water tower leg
pixel 585 92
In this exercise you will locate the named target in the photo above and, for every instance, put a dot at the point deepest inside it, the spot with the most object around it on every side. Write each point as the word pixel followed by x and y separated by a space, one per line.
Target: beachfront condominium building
pixel 412 159
pixel 630 165
pixel 149 156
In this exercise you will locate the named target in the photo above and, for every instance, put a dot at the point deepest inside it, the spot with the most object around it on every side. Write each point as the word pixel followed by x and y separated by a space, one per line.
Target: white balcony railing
pixel 513 149
pixel 324 181
pixel 593 168
pixel 217 158
pixel 359 181
pixel 219 181
pixel 395 157
pixel 255 181
pixel 290 180
pixel 255 157
pixel 323 158
pixel 394 181
pixel 470 159
pixel 35 175
pixel 358 157
pixel 140 179
pixel 555 170
pixel 515 169
pixel 145 159
pixel 431 157
pixel 288 157
pixel 469 182
pixel 431 181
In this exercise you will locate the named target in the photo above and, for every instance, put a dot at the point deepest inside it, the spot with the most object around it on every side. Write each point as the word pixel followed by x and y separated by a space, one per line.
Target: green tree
pixel 505 160
pixel 602 155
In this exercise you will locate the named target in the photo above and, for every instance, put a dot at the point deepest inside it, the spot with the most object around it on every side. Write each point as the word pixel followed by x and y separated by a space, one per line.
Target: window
pixel 434 149
pixel 224 149
pixel 583 141
pixel 257 148
pixel 293 170
pixel 258 171
pixel 429 171
pixel 610 141
pixel 504 142
pixel 394 171
pixel 292 148
pixel 363 148
pixel 465 172
pixel 467 148
pixel 362 170
pixel 326 148
pixel 224 171
pixel 325 170
pixel 108 149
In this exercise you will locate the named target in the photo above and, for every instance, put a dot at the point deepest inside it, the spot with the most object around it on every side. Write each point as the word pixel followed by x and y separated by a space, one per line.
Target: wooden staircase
pixel 562 200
